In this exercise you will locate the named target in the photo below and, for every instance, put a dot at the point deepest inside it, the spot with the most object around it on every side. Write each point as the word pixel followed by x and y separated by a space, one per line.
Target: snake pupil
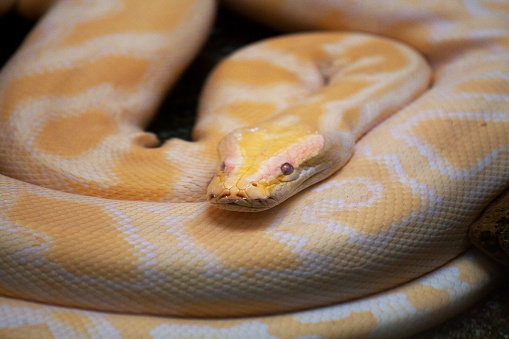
pixel 287 169
pixel 223 166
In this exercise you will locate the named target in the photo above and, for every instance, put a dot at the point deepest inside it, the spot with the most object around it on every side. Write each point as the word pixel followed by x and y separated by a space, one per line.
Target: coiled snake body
pixel 104 234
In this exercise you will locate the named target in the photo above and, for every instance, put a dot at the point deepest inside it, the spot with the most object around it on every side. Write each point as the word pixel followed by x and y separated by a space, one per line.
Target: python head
pixel 263 166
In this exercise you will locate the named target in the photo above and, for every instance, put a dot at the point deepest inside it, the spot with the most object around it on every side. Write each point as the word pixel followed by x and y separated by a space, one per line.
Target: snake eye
pixel 223 166
pixel 287 169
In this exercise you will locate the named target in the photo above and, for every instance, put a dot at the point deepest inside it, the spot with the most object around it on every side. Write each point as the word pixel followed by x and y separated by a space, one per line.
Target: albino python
pixel 106 233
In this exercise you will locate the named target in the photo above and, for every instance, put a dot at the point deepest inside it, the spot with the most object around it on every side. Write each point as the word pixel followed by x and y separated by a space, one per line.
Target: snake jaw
pixel 250 199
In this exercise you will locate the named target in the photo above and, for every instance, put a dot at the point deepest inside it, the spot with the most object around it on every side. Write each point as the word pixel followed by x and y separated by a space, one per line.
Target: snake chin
pixel 242 204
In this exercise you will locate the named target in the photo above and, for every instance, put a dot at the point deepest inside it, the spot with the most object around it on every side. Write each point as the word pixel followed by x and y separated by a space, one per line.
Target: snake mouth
pixel 242 204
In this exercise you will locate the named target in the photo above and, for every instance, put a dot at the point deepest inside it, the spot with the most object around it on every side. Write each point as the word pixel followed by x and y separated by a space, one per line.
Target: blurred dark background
pixel 175 118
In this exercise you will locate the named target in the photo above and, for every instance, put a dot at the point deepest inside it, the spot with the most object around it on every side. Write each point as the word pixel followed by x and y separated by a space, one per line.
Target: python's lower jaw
pixel 243 205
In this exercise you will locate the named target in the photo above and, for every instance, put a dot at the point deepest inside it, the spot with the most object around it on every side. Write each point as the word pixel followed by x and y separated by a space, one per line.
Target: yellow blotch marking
pixel 496 6
pixel 309 114
pixel 251 112
pixel 342 90
pixel 462 143
pixel 308 46
pixel 351 118
pixel 70 81
pixel 241 235
pixel 427 297
pixel 466 273
pixel 143 174
pixel 75 231
pixel 69 136
pixel 253 72
pixel 486 86
pixel 140 329
pixel 135 16
pixel 470 272
pixel 342 328
pixel 27 331
pixel 246 112
pixel 411 33
pixel 393 58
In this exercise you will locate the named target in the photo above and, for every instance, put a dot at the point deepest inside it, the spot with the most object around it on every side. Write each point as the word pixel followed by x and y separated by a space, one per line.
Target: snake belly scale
pixel 103 234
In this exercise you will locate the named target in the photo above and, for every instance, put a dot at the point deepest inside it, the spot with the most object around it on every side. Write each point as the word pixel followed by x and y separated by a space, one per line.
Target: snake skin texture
pixel 106 233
